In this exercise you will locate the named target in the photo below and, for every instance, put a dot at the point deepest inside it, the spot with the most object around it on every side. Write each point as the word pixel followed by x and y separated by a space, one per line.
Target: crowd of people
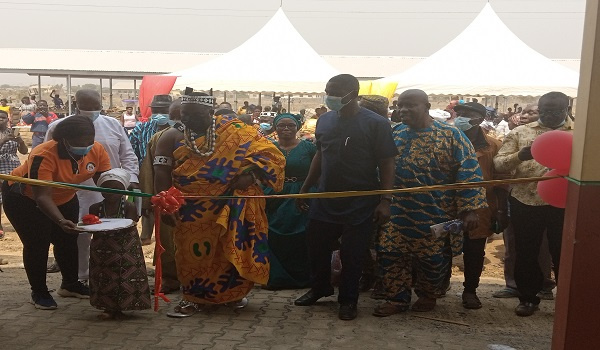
pixel 219 247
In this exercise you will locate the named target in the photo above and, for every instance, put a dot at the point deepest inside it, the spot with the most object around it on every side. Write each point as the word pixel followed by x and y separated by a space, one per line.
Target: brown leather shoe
pixel 424 304
pixel 388 309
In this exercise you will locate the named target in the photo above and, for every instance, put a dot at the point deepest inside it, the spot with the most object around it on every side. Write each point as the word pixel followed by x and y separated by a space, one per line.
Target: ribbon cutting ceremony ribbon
pixel 454 186
pixel 169 202
pixel 166 202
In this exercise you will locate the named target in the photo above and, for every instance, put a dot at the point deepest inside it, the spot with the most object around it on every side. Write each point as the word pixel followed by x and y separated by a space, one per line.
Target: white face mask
pixel 91 114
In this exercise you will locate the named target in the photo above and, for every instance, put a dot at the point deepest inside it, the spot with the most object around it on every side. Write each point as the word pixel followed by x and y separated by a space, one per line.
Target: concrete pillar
pixel 577 315
pixel 110 96
pixel 101 96
pixel 69 94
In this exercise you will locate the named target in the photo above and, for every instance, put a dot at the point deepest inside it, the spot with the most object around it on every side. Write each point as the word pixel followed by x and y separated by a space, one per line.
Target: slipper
pixel 389 308
pixel 424 304
pixel 184 309
pixel 53 268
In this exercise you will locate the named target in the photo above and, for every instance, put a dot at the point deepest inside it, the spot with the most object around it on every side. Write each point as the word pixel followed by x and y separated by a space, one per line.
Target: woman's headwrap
pixel 116 174
pixel 295 118
pixel 73 127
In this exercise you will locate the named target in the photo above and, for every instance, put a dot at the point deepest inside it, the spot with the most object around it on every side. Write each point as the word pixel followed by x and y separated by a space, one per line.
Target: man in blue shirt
pixel 355 152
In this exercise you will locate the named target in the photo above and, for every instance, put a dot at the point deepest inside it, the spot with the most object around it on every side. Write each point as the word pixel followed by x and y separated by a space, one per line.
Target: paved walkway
pixel 270 321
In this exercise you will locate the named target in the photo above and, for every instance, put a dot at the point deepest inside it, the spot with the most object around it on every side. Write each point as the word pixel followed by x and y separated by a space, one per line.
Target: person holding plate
pixel 42 215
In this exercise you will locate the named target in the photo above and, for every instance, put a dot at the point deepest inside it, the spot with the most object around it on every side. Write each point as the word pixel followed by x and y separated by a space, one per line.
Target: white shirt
pixel 502 128
pixel 111 135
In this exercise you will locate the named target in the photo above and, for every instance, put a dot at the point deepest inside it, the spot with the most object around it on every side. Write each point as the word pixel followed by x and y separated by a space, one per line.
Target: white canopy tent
pixel 276 59
pixel 468 66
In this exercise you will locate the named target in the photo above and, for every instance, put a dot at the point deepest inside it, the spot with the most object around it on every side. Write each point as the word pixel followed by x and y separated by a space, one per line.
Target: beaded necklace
pixel 120 211
pixel 190 137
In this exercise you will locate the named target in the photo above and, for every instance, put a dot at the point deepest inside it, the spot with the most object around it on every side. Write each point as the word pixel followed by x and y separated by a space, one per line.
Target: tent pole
pixel 110 93
pixel 235 99
pixel 260 99
pixel 101 97
pixel 224 96
pixel 39 87
pixel 69 93
pixel 135 90
pixel 289 102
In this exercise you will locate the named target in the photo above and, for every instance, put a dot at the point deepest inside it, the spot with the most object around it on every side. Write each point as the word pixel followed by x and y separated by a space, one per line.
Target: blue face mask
pixel 91 114
pixel 463 123
pixel 335 103
pixel 265 126
pixel 79 151
pixel 161 119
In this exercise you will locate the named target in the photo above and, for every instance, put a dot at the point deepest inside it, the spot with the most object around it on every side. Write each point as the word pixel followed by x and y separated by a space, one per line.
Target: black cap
pixel 472 106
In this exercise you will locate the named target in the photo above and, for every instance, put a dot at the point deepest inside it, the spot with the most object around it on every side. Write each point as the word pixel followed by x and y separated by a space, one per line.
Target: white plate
pixel 106 225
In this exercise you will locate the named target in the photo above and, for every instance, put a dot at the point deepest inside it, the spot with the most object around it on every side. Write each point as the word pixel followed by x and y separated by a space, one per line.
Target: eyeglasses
pixel 286 126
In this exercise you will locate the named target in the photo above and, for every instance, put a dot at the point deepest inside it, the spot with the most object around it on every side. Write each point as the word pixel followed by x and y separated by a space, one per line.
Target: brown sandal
pixel 388 309
pixel 424 304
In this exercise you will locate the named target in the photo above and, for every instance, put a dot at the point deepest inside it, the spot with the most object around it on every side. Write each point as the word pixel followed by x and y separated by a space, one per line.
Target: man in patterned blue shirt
pixel 430 153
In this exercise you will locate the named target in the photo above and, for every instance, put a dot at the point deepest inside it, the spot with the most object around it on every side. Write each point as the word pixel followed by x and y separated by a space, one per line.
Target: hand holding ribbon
pixel 166 202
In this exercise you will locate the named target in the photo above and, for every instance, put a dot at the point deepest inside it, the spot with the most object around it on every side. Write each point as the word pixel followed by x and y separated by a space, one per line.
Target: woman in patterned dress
pixel 9 145
pixel 118 279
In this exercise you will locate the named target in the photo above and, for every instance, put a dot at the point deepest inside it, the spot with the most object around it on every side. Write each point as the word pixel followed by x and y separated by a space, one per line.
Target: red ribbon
pixel 166 202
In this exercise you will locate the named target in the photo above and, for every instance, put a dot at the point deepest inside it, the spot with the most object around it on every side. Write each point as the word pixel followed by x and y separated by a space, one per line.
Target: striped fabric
pixel 140 136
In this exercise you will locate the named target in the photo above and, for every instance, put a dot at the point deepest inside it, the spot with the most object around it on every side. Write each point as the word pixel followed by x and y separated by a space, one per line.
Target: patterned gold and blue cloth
pixel 221 244
pixel 440 154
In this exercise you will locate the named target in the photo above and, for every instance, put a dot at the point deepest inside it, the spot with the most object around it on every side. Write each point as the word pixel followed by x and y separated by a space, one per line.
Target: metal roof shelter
pixel 100 64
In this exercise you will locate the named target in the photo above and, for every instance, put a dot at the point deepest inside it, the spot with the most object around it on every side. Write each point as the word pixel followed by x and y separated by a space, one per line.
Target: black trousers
pixel 473 256
pixel 322 237
pixel 530 224
pixel 36 232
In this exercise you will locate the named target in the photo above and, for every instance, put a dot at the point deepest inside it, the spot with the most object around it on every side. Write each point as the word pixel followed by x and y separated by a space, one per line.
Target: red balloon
pixel 554 192
pixel 552 149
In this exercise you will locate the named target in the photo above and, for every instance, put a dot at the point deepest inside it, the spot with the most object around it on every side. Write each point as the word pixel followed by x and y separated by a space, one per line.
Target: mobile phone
pixel 15 132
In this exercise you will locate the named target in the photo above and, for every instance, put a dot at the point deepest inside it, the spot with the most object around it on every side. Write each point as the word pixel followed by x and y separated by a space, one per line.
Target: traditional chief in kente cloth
pixel 221 244
pixel 430 153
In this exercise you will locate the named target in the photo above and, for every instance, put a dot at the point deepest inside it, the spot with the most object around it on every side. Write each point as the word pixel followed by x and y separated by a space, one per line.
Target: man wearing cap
pixel 411 254
pixel 111 135
pixel 375 103
pixel 140 137
pixel 469 118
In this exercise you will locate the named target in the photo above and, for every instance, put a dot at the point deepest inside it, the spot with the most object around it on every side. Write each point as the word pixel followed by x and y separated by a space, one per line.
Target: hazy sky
pixel 332 27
